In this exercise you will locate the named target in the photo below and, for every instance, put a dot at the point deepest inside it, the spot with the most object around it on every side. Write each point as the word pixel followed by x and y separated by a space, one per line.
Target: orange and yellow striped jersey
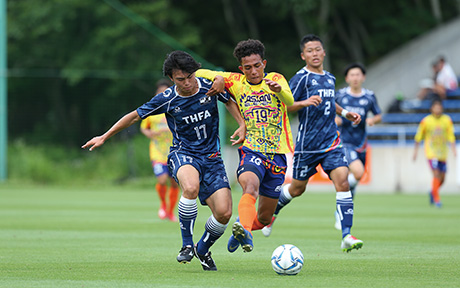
pixel 436 132
pixel 267 124
pixel 159 146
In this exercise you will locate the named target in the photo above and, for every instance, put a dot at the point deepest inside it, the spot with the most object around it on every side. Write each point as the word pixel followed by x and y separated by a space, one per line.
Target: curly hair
pixel 247 48
pixel 179 60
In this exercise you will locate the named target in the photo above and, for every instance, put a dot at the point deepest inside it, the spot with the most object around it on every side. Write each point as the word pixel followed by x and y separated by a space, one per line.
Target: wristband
pixel 344 113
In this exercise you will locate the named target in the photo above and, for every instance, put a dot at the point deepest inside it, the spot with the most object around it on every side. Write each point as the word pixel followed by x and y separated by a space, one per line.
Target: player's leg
pixel 161 172
pixel 173 197
pixel 188 177
pixel 241 229
pixel 438 169
pixel 304 166
pixel 355 174
pixel 336 166
pixel 215 192
pixel 220 204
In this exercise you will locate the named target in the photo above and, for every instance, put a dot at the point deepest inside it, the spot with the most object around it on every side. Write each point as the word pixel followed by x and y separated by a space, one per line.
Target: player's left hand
pixel 217 87
pixel 370 122
pixel 274 86
pixel 240 133
pixel 355 118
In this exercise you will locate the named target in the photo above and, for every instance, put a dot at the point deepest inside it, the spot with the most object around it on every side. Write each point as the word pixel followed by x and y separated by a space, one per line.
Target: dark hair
pixel 355 65
pixel 163 82
pixel 247 48
pixel 309 38
pixel 179 60
pixel 436 101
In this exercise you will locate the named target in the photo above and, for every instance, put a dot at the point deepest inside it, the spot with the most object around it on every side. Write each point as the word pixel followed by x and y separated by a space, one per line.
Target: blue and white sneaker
pixel 243 236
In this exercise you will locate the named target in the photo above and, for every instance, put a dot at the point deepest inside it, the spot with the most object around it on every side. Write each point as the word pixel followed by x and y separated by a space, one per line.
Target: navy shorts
pixel 305 163
pixel 271 170
pixel 160 168
pixel 352 154
pixel 435 164
pixel 211 169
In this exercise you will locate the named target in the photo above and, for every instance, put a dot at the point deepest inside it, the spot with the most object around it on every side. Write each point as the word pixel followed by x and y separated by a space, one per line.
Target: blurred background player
pixel 156 129
pixel 194 158
pixel 263 99
pixel 436 130
pixel 357 99
pixel 318 140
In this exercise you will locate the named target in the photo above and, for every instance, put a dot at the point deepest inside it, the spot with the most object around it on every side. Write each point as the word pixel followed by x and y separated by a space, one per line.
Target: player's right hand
pixel 94 143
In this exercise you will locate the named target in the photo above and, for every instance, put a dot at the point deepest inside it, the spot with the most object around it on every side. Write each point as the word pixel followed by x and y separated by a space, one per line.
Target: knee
pixel 223 216
pixel 296 191
pixel 190 191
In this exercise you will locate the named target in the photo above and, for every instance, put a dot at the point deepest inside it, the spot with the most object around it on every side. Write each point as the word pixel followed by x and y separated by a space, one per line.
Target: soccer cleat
pixel 438 204
pixel 267 230
pixel 349 243
pixel 206 261
pixel 338 223
pixel 243 236
pixel 162 212
pixel 233 244
pixel 186 254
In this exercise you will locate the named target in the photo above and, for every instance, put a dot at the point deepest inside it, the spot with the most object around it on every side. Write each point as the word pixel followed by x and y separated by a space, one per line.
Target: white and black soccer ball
pixel 287 259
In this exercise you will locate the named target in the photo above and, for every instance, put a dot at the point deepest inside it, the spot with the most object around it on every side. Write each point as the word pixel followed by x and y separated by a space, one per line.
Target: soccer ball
pixel 287 259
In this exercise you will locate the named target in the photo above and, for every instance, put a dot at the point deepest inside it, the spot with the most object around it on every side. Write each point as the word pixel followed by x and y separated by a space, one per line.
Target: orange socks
pixel 256 225
pixel 173 195
pixel 247 211
pixel 161 189
pixel 435 189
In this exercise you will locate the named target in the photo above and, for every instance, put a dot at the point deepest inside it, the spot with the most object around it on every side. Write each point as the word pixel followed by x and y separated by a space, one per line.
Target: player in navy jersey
pixel 194 159
pixel 354 137
pixel 318 140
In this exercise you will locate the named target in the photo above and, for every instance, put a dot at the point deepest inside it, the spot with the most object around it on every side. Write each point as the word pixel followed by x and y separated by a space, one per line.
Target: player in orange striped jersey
pixel 262 99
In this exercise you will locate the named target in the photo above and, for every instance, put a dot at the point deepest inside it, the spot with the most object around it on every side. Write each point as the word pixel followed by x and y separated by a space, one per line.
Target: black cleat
pixel 185 254
pixel 206 261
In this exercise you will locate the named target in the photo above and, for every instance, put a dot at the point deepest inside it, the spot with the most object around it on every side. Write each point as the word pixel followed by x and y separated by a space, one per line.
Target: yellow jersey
pixel 436 132
pixel 159 146
pixel 265 112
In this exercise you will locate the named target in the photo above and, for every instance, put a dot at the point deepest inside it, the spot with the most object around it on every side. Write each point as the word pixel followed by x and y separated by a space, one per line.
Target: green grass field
pixel 112 237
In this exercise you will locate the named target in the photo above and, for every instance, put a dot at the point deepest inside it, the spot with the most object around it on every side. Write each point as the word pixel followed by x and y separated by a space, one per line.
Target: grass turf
pixel 112 237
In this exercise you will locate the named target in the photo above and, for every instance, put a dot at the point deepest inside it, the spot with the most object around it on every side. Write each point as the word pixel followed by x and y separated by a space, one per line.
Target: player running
pixel 262 99
pixel 194 158
pixel 318 140
pixel 436 130
pixel 357 99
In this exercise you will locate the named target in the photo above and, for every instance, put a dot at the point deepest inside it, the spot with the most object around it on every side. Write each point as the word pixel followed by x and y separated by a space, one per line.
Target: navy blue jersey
pixel 317 129
pixel 362 104
pixel 193 120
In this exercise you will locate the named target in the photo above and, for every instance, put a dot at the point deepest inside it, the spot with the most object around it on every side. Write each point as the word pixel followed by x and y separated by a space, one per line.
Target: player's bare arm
pixel 240 134
pixel 314 100
pixel 374 120
pixel 217 87
pixel 352 116
pixel 126 121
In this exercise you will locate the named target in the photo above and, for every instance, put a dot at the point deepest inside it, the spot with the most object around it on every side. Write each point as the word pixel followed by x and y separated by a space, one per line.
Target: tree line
pixel 75 66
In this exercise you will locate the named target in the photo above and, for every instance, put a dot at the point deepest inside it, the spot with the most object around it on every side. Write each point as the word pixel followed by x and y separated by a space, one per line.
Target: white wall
pixel 392 170
pixel 402 70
